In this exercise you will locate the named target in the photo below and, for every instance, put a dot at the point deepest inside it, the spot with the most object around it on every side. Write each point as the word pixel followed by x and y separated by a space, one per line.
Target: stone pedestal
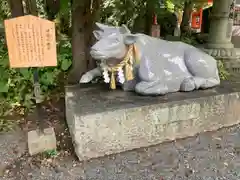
pixel 219 43
pixel 103 122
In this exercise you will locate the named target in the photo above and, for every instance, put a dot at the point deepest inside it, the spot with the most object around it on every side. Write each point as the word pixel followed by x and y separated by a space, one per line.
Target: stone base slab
pixel 41 142
pixel 104 122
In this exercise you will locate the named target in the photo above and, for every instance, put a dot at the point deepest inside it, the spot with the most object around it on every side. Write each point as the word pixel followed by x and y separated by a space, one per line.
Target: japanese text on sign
pixel 31 42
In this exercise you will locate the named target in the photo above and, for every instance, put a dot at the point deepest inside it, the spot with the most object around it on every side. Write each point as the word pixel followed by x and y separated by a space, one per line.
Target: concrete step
pixel 104 122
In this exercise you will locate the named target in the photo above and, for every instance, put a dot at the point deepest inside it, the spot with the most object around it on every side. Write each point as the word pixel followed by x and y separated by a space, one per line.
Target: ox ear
pixel 130 39
pixel 103 26
pixel 97 34
pixel 124 29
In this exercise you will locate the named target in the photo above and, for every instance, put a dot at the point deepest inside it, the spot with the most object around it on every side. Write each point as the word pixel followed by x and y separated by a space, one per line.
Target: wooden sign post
pixel 31 42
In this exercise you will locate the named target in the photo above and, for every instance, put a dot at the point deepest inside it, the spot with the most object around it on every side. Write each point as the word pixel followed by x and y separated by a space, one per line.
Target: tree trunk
pixel 149 17
pixel 90 24
pixel 16 7
pixel 185 25
pixel 31 6
pixel 83 19
pixel 79 61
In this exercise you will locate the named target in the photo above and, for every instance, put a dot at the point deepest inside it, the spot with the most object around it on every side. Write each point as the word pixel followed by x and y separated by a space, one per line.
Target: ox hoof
pixel 86 78
pixel 187 85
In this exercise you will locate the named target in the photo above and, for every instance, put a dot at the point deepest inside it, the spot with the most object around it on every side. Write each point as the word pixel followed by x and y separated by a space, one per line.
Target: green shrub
pixel 16 85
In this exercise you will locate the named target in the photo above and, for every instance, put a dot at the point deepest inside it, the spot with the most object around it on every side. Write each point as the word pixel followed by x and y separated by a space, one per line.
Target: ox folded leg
pixel 188 84
pixel 202 67
pixel 151 88
pixel 158 87
pixel 191 83
pixel 202 83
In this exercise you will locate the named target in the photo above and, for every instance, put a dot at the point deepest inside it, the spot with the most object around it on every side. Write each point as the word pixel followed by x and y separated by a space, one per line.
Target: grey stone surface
pixel 104 122
pixel 236 41
pixel 41 142
pixel 238 51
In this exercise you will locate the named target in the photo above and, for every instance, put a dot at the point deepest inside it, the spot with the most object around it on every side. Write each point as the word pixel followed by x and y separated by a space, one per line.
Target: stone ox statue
pixel 149 66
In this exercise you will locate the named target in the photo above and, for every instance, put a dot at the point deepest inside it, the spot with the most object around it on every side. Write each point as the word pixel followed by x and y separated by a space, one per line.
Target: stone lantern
pixel 219 41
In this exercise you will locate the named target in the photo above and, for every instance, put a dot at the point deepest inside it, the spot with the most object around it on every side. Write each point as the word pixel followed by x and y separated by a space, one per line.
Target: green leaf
pixel 3 73
pixel 64 7
pixel 4 62
pixel 3 86
pixel 47 78
pixel 66 64
pixel 28 100
pixel 26 73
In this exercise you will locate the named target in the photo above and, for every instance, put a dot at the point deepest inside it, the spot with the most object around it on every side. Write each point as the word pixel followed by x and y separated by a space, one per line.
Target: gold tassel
pixel 113 83
pixel 136 54
pixel 128 72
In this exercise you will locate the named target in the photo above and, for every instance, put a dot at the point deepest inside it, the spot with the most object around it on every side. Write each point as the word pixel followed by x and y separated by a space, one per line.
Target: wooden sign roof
pixel 31 42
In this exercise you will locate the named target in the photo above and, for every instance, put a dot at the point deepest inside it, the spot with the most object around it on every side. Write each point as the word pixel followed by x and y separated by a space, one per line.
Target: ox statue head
pixel 111 42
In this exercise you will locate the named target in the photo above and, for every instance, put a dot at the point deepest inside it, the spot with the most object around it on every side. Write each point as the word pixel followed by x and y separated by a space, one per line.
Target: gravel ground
pixel 208 156
pixel 12 146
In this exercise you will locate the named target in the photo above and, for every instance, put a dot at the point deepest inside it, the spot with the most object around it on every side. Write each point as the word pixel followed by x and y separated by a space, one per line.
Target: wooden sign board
pixel 31 42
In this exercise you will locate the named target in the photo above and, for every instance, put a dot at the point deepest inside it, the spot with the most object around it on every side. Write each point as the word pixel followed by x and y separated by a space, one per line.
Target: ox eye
pixel 115 41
